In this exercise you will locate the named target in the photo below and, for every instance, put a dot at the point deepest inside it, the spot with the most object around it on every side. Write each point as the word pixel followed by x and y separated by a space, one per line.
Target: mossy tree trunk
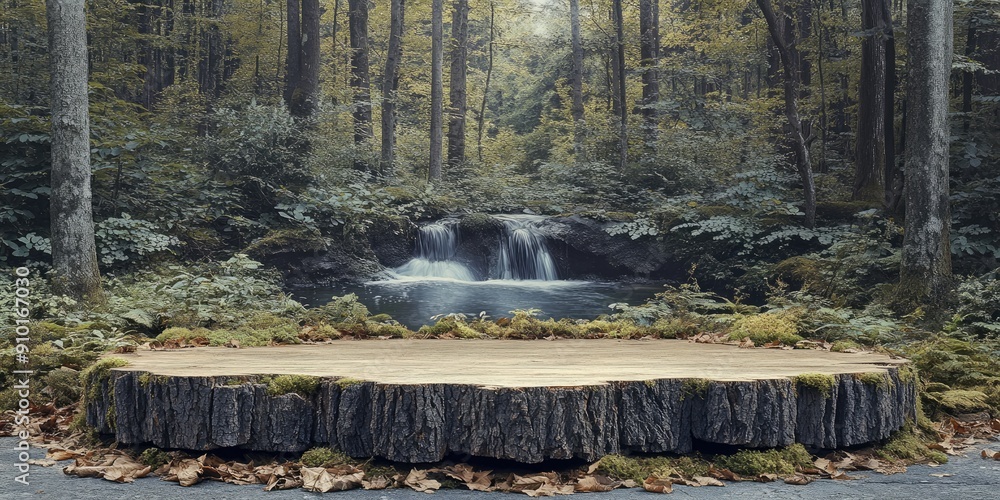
pixel 390 85
pixel 437 88
pixel 74 252
pixel 925 270
pixel 425 422
pixel 457 89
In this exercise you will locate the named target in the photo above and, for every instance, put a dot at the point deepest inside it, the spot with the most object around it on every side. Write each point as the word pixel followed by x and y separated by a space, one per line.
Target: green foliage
pixel 344 309
pixel 257 143
pixel 766 328
pixel 62 386
pixel 978 311
pixel 124 239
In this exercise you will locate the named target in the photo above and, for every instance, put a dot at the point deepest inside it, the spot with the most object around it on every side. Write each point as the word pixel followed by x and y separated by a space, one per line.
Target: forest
pixel 769 173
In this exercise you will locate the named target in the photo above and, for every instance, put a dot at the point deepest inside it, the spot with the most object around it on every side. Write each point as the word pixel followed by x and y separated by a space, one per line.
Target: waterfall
pixel 436 246
pixel 523 252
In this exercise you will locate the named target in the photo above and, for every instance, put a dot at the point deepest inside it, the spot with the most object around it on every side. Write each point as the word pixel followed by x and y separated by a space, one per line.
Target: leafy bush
pixel 124 239
pixel 766 328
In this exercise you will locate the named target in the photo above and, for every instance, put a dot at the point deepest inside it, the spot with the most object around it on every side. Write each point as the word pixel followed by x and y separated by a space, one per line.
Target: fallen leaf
pixel 187 472
pixel 825 465
pixel 995 424
pixel 593 467
pixel 707 481
pixel 746 343
pixel 598 483
pixel 942 475
pixel 726 474
pixel 987 453
pixel 376 483
pixel 767 478
pixel 798 479
pixel 655 484
pixel 842 477
pixel 417 479
pixel 60 455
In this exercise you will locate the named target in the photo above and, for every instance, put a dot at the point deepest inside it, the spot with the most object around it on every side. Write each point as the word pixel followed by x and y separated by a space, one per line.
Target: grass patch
pixel 845 345
pixel 905 444
pixel 766 328
pixel 695 387
pixel 324 457
pixel 345 382
pixel 877 379
pixel 639 468
pixel 302 385
pixel 777 461
pixel 956 401
pixel 820 381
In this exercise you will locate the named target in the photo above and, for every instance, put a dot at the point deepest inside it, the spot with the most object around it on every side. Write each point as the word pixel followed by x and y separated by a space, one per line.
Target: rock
pixel 588 237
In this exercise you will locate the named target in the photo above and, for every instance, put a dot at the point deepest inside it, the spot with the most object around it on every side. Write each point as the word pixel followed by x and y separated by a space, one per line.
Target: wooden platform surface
pixel 508 363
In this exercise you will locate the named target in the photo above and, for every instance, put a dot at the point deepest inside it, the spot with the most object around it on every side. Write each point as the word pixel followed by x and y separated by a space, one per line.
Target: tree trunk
pixel 925 271
pixel 360 79
pixel 789 61
pixel 870 157
pixel 891 170
pixel 390 85
pixel 649 29
pixel 486 87
pixel 437 88
pixel 578 411
pixel 293 61
pixel 309 74
pixel 618 66
pixel 74 254
pixel 577 81
pixel 457 88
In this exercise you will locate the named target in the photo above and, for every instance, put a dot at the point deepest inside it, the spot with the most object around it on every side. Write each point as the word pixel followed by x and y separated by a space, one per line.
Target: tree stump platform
pixel 420 400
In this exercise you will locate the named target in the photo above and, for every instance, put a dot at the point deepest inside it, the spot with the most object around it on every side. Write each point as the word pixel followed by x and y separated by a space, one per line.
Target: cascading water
pixel 436 246
pixel 523 252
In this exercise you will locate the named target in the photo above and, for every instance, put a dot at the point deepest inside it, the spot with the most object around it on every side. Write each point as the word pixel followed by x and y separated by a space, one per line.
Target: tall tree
pixel 74 253
pixel 925 270
pixel 390 84
pixel 437 88
pixel 789 55
pixel 618 73
pixel 875 118
pixel 458 92
pixel 486 86
pixel 360 79
pixel 649 52
pixel 576 84
pixel 309 75
pixel 302 62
